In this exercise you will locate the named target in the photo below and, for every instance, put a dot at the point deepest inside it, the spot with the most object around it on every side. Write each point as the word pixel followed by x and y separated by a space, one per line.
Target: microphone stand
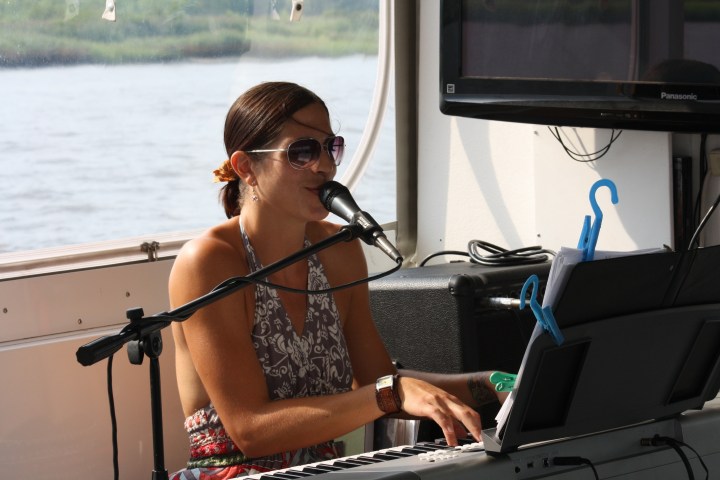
pixel 143 337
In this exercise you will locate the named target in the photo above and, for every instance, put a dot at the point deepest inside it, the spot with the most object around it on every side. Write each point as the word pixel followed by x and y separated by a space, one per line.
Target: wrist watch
pixel 387 395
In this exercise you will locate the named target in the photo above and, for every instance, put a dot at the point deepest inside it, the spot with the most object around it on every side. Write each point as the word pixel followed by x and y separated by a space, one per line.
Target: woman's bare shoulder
pixel 216 252
pixel 221 239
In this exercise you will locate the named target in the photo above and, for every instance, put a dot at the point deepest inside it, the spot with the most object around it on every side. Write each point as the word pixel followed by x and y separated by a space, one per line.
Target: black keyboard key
pixel 329 467
pixel 288 475
pixel 317 469
pixel 399 453
pixel 354 462
pixel 371 459
pixel 432 446
pixel 385 456
pixel 417 450
pixel 349 463
pixel 461 441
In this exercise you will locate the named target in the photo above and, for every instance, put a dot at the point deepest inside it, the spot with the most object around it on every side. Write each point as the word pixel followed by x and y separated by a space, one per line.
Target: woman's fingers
pixel 468 418
pixel 453 416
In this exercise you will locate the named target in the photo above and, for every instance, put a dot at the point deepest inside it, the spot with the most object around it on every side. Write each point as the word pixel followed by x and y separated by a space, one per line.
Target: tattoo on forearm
pixel 480 391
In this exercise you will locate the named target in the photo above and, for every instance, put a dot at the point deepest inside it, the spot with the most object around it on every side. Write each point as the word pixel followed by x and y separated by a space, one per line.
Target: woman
pixel 267 377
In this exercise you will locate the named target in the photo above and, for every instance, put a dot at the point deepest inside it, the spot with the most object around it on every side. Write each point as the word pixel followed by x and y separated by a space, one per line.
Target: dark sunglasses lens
pixel 336 147
pixel 302 152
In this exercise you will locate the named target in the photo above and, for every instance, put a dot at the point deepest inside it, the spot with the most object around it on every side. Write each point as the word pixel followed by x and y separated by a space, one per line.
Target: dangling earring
pixel 254 196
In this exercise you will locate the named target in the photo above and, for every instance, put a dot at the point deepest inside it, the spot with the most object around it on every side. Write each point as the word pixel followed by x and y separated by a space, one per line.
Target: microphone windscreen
pixel 338 200
pixel 329 191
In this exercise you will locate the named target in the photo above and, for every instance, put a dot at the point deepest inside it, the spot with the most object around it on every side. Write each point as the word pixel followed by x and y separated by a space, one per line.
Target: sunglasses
pixel 305 152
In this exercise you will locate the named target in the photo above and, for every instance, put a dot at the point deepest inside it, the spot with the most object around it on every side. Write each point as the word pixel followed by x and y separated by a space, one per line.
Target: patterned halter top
pixel 313 362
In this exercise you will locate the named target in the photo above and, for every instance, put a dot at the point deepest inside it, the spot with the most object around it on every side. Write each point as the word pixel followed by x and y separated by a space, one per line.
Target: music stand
pixel 642 343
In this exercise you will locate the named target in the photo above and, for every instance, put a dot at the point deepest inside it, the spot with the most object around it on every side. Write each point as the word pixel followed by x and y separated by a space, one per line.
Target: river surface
pixel 93 153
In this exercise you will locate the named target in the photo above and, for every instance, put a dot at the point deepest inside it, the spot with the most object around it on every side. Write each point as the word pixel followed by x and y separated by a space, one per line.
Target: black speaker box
pixel 439 318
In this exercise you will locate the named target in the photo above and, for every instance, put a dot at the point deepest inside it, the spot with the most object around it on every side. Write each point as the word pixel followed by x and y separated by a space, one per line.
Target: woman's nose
pixel 326 162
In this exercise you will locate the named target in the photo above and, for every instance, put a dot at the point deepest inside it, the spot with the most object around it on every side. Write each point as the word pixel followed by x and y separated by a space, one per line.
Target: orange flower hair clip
pixel 225 173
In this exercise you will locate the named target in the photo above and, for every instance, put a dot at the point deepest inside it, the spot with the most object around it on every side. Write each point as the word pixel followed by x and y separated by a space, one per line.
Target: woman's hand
pixel 454 417
pixel 483 390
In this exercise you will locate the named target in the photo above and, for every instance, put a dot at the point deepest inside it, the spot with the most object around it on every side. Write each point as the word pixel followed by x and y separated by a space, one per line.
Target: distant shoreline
pixel 28 45
pixel 203 59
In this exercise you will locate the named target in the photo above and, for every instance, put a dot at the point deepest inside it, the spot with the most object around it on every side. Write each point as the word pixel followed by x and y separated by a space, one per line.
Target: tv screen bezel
pixel 564 102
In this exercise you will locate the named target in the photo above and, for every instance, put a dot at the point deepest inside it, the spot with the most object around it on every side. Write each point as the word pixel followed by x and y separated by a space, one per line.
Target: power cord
pixel 696 236
pixel 585 157
pixel 498 257
pixel 575 461
pixel 307 292
pixel 703 170
pixel 113 419
pixel 655 442
pixel 677 446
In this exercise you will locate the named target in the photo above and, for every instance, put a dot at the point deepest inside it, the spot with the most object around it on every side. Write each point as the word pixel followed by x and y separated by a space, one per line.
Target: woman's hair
pixel 255 119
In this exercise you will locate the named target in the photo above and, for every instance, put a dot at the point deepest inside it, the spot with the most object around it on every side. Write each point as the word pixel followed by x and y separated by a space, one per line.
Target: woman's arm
pixel 217 340
pixel 473 388
pixel 441 399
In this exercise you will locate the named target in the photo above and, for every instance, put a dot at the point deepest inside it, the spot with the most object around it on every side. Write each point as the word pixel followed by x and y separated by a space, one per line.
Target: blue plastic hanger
pixel 544 316
pixel 589 234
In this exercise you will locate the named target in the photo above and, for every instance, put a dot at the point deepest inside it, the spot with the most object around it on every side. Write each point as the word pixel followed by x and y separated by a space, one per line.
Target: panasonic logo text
pixel 678 96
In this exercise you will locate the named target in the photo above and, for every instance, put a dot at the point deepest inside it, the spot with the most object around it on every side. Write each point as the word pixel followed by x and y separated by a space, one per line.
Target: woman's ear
pixel 242 164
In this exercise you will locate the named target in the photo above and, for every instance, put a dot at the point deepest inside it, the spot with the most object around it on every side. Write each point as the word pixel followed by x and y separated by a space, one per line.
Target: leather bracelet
pixel 386 394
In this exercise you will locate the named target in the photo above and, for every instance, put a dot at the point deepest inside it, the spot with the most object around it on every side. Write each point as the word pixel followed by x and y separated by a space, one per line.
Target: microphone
pixel 337 199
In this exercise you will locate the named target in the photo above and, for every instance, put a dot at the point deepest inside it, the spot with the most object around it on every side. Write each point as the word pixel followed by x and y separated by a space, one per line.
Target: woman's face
pixel 286 189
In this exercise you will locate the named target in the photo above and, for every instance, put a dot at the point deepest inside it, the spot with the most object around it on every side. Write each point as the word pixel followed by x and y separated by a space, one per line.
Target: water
pixel 93 153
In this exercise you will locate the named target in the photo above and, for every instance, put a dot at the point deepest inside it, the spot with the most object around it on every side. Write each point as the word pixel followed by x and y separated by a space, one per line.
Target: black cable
pixel 702 462
pixel 231 281
pixel 575 461
pixel 441 253
pixel 585 157
pixel 677 446
pixel 696 236
pixel 683 457
pixel 113 419
pixel 499 257
pixel 237 280
pixel 703 169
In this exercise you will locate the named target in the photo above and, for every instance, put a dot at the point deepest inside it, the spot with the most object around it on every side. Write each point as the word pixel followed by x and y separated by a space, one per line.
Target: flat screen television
pixel 624 64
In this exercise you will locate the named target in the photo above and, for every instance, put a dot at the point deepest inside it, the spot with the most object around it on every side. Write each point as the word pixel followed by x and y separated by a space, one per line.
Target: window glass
pixel 111 129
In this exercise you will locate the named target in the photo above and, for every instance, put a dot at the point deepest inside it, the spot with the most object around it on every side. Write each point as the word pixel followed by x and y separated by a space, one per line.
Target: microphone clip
pixel 369 228
pixel 354 230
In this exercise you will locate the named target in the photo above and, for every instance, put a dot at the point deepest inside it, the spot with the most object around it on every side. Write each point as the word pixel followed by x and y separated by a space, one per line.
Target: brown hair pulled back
pixel 254 121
